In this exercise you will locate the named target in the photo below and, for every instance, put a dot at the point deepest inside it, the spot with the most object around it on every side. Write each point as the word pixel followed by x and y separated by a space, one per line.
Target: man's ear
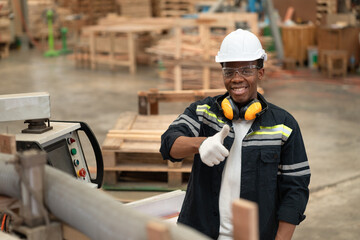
pixel 261 73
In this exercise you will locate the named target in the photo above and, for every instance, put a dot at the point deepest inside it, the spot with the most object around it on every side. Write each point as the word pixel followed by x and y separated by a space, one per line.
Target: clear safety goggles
pixel 245 72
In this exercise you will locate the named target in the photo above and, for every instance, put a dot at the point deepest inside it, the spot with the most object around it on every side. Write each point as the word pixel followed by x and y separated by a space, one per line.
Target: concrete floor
pixel 326 109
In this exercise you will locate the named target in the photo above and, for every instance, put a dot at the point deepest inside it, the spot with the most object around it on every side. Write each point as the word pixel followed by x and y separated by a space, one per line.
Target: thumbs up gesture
pixel 212 150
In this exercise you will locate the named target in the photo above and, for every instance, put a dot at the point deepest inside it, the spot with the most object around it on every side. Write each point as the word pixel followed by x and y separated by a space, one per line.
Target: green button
pixel 73 151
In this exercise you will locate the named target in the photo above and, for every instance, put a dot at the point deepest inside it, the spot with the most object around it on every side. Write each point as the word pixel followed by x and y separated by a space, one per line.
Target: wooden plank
pixel 245 220
pixel 136 131
pixel 142 103
pixel 125 121
pixel 140 137
pixel 92 51
pixel 154 105
pixel 183 95
pixel 7 144
pixel 206 78
pixel 140 147
pixel 174 179
pixel 157 231
pixel 70 233
pixel 109 158
pixel 131 45
pixel 186 168
pixel 177 69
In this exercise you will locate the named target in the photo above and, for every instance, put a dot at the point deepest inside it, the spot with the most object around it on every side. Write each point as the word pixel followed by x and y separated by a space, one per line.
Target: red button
pixel 81 172
pixel 70 140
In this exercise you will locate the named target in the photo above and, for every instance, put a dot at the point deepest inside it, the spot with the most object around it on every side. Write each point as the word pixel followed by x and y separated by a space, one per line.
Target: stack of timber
pixel 37 24
pixel 324 7
pixel 91 9
pixel 5 32
pixel 176 8
pixel 135 8
pixel 156 8
pixel 131 154
pixel 186 59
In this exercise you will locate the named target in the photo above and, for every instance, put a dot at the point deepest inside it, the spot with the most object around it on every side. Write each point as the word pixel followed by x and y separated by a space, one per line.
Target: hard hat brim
pixel 242 58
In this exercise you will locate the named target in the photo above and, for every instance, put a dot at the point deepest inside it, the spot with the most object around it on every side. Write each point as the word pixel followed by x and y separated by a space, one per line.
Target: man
pixel 243 147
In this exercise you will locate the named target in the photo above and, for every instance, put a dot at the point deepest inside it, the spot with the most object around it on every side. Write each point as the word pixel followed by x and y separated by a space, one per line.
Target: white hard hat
pixel 240 45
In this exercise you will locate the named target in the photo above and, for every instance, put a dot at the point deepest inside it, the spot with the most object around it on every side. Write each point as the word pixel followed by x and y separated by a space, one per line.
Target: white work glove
pixel 212 150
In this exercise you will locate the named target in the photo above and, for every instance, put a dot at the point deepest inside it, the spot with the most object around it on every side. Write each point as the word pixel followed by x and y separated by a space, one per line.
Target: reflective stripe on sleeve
pixel 299 173
pixel 294 166
pixel 191 123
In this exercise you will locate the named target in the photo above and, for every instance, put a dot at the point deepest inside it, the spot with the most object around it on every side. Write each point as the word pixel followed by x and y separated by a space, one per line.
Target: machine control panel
pixel 59 139
pixel 64 149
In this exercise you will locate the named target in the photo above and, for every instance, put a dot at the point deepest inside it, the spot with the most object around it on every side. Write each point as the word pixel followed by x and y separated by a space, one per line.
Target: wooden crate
pixel 346 39
pixel 296 40
pixel 131 149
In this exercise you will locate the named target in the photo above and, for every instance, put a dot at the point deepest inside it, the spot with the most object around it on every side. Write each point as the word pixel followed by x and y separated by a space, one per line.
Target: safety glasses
pixel 245 72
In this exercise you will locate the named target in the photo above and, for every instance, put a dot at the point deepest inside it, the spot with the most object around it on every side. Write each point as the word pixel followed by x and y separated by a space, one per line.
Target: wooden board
pixel 245 220
pixel 7 144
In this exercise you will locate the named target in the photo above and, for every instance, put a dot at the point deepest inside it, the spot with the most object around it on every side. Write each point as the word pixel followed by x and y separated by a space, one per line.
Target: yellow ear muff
pixel 252 110
pixel 227 109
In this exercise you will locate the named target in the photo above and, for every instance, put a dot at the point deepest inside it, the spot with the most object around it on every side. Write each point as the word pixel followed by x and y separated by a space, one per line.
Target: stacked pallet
pixel 186 59
pixel 324 7
pixel 37 19
pixel 156 8
pixel 176 8
pixel 5 33
pixel 92 9
pixel 135 8
pixel 190 60
pixel 37 23
pixel 131 154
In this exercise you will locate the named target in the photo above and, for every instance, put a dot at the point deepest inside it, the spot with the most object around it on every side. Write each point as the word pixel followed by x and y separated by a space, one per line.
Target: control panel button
pixel 73 151
pixel 81 173
pixel 76 162
pixel 70 140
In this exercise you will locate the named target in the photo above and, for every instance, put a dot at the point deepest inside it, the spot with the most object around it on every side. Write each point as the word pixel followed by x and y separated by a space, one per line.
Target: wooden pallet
pixel 150 99
pixel 176 8
pixel 132 149
pixel 135 8
pixel 324 7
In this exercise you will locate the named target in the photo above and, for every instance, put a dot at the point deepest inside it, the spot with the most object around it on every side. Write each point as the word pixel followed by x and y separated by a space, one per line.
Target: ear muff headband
pixel 248 112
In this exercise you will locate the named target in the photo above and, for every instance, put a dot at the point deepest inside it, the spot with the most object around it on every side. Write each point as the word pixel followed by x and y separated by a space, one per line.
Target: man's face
pixel 242 87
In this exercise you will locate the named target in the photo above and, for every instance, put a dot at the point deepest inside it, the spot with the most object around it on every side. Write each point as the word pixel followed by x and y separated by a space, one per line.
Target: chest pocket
pixel 269 163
